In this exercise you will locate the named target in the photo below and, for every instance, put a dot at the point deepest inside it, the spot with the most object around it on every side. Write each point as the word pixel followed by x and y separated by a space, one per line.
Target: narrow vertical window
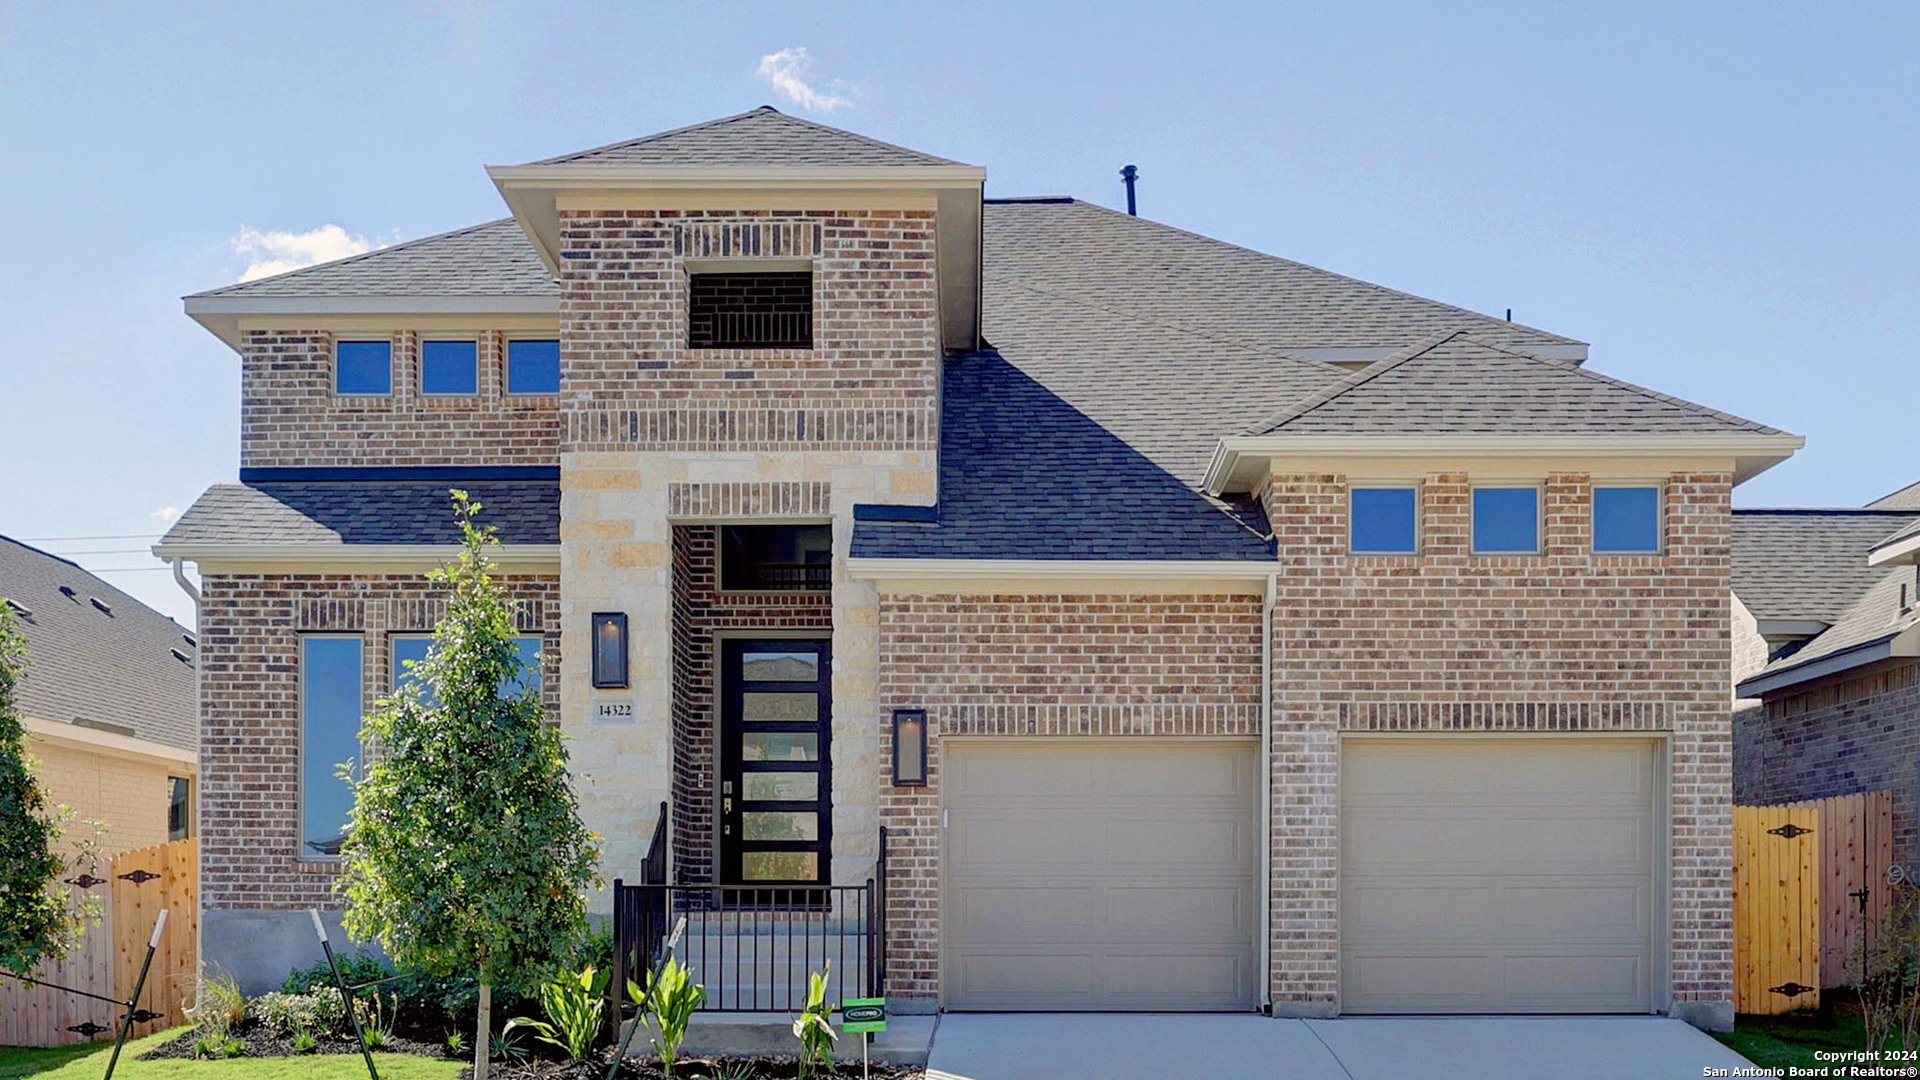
pixel 179 808
pixel 533 367
pixel 449 367
pixel 1506 520
pixel 330 697
pixel 363 367
pixel 1626 520
pixel 1383 521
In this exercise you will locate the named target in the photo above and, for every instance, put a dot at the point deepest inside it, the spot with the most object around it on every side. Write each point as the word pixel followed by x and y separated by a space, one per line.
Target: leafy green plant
pixel 456 1044
pixel 284 1014
pixel 575 1005
pixel 731 1070
pixel 219 1046
pixel 303 1041
pixel 220 1009
pixel 814 1026
pixel 376 1020
pixel 464 851
pixel 668 1001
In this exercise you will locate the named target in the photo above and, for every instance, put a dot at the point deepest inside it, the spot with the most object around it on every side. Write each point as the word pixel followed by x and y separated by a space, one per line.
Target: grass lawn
pixel 88 1062
pixel 1778 1043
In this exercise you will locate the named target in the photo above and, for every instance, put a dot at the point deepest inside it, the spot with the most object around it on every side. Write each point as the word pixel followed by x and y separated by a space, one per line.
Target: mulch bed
pixel 264 1042
pixel 688 1068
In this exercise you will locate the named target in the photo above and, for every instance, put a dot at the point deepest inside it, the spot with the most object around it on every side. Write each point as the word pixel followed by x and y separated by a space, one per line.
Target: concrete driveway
pixel 1019 1046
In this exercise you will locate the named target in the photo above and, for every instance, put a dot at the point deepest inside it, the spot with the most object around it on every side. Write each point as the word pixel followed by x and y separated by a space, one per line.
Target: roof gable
pixel 1805 563
pixel 763 137
pixel 1907 498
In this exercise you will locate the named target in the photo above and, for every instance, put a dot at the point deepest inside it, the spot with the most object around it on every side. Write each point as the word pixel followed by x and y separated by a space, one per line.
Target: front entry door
pixel 776 823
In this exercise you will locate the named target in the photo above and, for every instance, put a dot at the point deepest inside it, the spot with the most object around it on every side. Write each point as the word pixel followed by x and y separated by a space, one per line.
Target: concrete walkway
pixel 1033 1046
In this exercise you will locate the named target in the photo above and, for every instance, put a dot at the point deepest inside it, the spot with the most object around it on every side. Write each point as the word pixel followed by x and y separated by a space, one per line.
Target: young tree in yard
pixel 36 921
pixel 465 851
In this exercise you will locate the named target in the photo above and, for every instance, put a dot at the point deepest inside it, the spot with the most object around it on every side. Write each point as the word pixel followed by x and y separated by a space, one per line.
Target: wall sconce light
pixel 910 747
pixel 609 650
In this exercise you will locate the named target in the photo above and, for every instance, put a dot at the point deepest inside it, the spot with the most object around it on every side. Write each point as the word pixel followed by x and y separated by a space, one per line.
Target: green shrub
pixel 813 1028
pixel 453 998
pixel 668 1001
pixel 304 1042
pixel 575 1005
pixel 285 1014
pixel 218 1046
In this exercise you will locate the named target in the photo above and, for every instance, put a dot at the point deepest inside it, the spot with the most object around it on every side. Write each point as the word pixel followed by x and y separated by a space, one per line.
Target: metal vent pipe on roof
pixel 1130 174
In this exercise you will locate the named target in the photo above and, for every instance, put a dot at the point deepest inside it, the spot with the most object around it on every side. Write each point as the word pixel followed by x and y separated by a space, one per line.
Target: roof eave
pixel 1237 459
pixel 1082 571
pixel 310 556
pixel 222 315
pixel 1903 643
pixel 1897 552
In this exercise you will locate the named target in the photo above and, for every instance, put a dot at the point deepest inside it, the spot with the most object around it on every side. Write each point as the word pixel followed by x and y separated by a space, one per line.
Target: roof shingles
pixel 1807 564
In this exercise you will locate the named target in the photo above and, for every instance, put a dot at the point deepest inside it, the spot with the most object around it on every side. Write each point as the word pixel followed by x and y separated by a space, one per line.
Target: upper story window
pixel 1382 521
pixel 1626 520
pixel 1506 520
pixel 533 366
pixel 330 689
pixel 750 310
pixel 449 367
pixel 776 557
pixel 410 649
pixel 363 367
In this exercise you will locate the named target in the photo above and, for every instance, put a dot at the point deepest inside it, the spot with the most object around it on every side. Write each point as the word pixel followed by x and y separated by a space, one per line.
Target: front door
pixel 776 823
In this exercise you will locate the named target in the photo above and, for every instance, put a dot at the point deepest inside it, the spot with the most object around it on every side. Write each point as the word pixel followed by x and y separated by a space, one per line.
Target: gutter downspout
pixel 180 579
pixel 199 773
pixel 1265 787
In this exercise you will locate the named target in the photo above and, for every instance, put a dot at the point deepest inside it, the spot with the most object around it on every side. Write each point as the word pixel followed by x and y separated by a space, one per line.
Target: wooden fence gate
pixel 1810 883
pixel 107 959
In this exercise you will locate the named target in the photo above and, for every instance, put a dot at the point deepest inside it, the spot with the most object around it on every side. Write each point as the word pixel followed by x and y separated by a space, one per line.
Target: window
pixel 412 649
pixel 363 367
pixel 758 310
pixel 330 684
pixel 533 367
pixel 1506 520
pixel 179 812
pixel 1626 519
pixel 1382 521
pixel 776 557
pixel 449 367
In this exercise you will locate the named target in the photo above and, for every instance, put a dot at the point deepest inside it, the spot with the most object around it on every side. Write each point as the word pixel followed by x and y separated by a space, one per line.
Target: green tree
pixel 36 921
pixel 465 851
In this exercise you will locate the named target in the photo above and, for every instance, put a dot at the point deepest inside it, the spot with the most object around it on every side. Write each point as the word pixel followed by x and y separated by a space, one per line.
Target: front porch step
pixel 906 1041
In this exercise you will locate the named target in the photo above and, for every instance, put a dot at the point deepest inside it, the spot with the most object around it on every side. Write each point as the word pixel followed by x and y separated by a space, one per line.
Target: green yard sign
pixel 863 1014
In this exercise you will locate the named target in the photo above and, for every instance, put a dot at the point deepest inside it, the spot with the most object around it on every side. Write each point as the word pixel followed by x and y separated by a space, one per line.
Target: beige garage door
pixel 1099 874
pixel 1491 876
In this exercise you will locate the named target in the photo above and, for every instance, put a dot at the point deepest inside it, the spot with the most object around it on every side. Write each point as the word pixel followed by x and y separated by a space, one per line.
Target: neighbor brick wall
pixel 127 794
pixel 1042 664
pixel 1859 732
pixel 290 416
pixel 870 382
pixel 1449 641
pixel 701 612
pixel 250 630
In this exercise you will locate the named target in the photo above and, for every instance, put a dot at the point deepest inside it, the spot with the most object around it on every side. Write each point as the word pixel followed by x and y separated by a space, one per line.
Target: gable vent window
pixel 757 310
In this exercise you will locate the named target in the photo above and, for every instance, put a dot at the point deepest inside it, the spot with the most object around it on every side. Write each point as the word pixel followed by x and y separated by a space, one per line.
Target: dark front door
pixel 775 762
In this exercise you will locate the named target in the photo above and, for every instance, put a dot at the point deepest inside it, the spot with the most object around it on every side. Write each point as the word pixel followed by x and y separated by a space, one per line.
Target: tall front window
pixel 1506 520
pixel 410 650
pixel 330 696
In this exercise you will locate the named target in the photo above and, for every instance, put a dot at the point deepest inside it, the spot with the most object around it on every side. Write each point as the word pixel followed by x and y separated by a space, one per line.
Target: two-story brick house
pixel 1256 636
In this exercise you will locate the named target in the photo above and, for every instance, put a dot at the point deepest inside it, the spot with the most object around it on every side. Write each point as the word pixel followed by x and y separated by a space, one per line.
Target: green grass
pixel 1778 1042
pixel 89 1062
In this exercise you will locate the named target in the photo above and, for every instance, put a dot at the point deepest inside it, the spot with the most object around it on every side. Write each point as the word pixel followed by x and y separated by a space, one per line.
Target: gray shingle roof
pixel 1907 498
pixel 1457 384
pixel 494 259
pixel 1907 533
pixel 1807 563
pixel 366 512
pixel 763 136
pixel 115 667
pixel 1873 617
pixel 1107 259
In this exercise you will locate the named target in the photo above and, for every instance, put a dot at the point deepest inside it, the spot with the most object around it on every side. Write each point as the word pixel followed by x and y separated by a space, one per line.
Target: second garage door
pixel 1099 874
pixel 1490 876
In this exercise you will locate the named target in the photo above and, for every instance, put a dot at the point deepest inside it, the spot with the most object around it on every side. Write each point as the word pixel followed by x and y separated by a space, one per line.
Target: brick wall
pixel 1445 640
pixel 701 613
pixel 128 794
pixel 290 416
pixel 1837 737
pixel 870 382
pixel 250 630
pixel 1042 665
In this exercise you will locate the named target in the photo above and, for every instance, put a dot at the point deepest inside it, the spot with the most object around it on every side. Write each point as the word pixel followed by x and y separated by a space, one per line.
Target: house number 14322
pixel 613 710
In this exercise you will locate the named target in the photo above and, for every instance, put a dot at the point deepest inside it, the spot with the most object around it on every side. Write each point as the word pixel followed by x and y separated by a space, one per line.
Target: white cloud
pixel 270 252
pixel 165 514
pixel 788 71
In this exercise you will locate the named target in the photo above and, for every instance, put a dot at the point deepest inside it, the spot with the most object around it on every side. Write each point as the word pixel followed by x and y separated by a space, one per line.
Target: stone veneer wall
pixel 1038 665
pixel 290 417
pixel 1852 733
pixel 701 614
pixel 1449 641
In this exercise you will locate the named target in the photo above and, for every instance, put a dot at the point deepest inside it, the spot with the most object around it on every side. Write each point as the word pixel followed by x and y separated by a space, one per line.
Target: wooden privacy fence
pixel 107 959
pixel 1810 883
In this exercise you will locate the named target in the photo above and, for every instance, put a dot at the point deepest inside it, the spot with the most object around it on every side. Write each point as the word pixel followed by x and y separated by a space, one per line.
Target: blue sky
pixel 1718 197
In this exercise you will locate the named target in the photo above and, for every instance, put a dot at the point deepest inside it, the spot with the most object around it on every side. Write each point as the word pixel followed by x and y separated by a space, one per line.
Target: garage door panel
pixel 1497 875
pixel 1128 887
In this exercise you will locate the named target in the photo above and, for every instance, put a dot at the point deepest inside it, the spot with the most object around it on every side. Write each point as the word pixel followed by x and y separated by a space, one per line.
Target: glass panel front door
pixel 775 762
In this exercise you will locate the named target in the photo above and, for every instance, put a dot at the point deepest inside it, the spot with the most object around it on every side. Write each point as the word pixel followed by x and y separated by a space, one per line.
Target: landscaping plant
pixel 575 1006
pixel 668 1001
pixel 1886 966
pixel 813 1027
pixel 465 851
pixel 37 919
pixel 376 1020
pixel 288 1014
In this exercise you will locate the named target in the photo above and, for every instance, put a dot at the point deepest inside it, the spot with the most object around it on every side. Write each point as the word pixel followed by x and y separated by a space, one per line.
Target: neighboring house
pixel 1282 639
pixel 108 700
pixel 1827 656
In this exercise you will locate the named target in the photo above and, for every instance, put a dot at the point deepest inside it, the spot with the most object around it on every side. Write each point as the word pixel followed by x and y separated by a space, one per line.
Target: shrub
pixel 812 1026
pixel 221 1007
pixel 575 1005
pixel 453 998
pixel 304 1042
pixel 287 1014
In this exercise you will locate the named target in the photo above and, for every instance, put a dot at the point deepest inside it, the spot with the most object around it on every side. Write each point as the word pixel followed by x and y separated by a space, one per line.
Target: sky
pixel 1719 198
